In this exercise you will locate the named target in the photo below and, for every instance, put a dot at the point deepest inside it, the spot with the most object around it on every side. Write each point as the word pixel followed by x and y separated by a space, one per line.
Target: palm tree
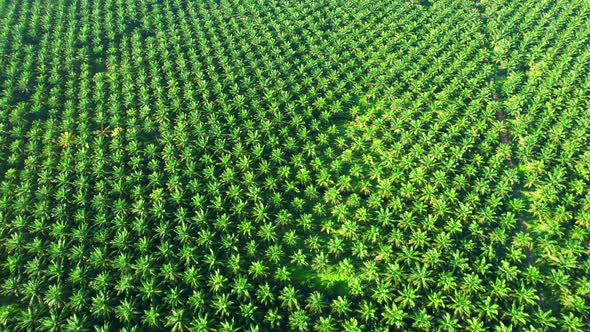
pixel 257 269
pixel 259 211
pixel 274 253
pixel 393 316
pixel 267 232
pixel 517 314
pixel 288 297
pixel 200 323
pixel 420 276
pixel 545 319
pixel 177 320
pixel 340 306
pixel 52 323
pixel 382 293
pixel 407 297
pixel 151 317
pixel 217 281
pixel 227 326
pixel 422 320
pixel 367 311
pixel 461 304
pixel 352 325
pixel 299 320
pixel 196 300
pixel 264 294
pixel 222 304
pixel 325 324
pixel 125 311
pixel 273 318
pixel 73 323
pixel 241 287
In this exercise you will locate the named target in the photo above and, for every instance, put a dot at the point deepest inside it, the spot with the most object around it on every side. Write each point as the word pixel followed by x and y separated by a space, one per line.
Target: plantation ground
pixel 284 165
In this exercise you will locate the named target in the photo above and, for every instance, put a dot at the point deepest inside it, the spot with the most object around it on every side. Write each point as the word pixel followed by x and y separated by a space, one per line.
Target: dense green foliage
pixel 323 165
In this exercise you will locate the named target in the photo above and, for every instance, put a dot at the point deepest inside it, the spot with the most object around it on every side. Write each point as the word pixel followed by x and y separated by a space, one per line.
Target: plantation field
pixel 322 165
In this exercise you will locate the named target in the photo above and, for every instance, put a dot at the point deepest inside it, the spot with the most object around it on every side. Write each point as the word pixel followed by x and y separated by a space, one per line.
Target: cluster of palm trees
pixel 314 166
pixel 546 96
